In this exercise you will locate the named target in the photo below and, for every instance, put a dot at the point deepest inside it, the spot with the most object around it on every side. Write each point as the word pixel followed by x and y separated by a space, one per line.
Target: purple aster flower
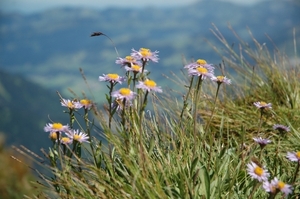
pixel 87 104
pixel 54 127
pixel 221 79
pixel 135 69
pixel 262 105
pixel 149 85
pixel 71 104
pixel 262 142
pixel 78 136
pixel 293 156
pixel 275 185
pixel 202 72
pixel 257 172
pixel 145 55
pixel 124 93
pixel 200 63
pixel 127 61
pixel 113 78
pixel 281 128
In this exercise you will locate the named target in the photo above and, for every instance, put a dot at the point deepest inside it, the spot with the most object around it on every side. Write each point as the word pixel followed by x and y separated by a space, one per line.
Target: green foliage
pixel 196 147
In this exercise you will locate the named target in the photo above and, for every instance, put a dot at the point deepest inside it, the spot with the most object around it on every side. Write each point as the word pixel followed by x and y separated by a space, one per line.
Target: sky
pixel 32 6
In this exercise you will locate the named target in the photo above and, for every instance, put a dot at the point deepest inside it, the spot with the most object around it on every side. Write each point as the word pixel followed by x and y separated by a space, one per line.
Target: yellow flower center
pixel 280 185
pixel 258 171
pixel 125 91
pixel 202 70
pixel 53 136
pixel 136 68
pixel 263 103
pixel 65 139
pixel 201 62
pixel 76 137
pixel 145 52
pixel 298 154
pixel 57 125
pixel 85 101
pixel 113 76
pixel 129 58
pixel 220 78
pixel 70 104
pixel 150 83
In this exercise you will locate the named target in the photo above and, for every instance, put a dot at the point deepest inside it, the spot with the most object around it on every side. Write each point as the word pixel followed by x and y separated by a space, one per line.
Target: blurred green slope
pixel 24 110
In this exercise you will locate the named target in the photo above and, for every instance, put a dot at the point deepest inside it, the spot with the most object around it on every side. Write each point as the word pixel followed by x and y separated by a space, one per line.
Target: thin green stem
pixel 213 110
pixel 186 99
pixel 207 125
pixel 88 131
pixel 110 111
pixel 296 172
pixel 260 120
pixel 196 103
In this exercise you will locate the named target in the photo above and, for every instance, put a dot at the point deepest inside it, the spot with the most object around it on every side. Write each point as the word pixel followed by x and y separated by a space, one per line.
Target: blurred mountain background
pixel 41 53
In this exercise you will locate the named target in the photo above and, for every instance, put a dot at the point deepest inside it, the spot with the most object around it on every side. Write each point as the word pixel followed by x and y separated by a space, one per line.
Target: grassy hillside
pixel 224 137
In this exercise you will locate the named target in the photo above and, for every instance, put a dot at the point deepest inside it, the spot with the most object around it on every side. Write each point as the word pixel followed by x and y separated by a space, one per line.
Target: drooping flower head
pixel 127 61
pixel 66 140
pixel 221 79
pixel 145 55
pixel 124 93
pixel 78 136
pixel 276 185
pixel 201 72
pixel 293 156
pixel 56 127
pixel 281 128
pixel 149 85
pixel 86 104
pixel 135 69
pixel 262 105
pixel 71 104
pixel 113 78
pixel 257 172
pixel 54 135
pixel 262 142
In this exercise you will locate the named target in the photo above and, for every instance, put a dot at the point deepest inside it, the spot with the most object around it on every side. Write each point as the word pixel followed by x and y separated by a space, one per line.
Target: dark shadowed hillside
pixel 24 110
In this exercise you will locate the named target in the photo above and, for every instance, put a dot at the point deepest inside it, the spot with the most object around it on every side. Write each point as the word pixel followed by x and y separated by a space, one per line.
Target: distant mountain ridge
pixel 49 47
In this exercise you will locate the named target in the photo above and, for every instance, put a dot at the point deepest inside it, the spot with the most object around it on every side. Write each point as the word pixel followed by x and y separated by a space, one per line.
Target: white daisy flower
pixel 257 172
pixel 149 85
pixel 113 78
pixel 293 156
pixel 262 105
pixel 78 136
pixel 124 93
pixel 145 55
pixel 71 104
pixel 54 127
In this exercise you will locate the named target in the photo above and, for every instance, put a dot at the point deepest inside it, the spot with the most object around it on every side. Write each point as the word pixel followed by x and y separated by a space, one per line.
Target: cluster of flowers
pixel 204 70
pixel 259 172
pixel 71 135
pixel 134 63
